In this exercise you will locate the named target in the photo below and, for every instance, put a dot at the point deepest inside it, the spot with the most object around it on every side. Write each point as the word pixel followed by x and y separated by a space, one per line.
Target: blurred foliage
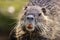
pixel 17 4
pixel 6 23
pixel 7 20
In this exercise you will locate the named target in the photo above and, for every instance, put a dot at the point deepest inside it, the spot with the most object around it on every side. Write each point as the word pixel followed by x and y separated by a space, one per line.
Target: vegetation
pixel 7 20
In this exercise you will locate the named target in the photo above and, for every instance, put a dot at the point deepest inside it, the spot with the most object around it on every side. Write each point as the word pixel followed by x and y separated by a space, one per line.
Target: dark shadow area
pixel 6 25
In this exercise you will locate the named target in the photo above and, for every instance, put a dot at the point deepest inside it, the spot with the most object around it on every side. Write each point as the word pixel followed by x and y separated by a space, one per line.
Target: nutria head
pixel 35 20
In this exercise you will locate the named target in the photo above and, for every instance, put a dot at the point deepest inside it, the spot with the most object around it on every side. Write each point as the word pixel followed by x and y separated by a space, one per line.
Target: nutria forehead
pixel 34 10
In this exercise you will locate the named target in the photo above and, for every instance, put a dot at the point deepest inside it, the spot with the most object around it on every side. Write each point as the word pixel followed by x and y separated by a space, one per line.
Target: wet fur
pixel 49 25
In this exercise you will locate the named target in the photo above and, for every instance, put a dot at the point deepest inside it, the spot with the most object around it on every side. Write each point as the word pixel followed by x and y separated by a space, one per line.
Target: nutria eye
pixel 25 13
pixel 39 14
pixel 44 10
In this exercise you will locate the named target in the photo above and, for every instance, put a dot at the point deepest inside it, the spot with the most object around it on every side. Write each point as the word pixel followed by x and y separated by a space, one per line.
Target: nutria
pixel 38 23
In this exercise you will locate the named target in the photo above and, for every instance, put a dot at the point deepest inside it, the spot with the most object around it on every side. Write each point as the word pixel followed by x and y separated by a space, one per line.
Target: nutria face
pixel 31 18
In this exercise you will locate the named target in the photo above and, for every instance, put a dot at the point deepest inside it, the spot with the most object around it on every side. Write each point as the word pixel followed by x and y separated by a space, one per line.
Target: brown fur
pixel 49 24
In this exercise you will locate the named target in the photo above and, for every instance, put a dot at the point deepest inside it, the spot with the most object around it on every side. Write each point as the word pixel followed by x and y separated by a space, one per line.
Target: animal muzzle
pixel 30 22
pixel 30 27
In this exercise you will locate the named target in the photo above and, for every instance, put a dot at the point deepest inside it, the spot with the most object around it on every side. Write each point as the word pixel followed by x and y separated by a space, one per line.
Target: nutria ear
pixel 44 10
pixel 25 8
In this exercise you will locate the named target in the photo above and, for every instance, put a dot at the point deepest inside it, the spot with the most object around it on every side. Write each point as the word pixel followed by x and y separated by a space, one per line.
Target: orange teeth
pixel 29 26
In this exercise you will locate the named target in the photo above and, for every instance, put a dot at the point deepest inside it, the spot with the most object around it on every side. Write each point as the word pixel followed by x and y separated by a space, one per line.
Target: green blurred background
pixel 8 20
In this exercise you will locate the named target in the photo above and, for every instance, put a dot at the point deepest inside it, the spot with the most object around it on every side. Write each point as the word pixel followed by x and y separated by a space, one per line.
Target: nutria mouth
pixel 29 26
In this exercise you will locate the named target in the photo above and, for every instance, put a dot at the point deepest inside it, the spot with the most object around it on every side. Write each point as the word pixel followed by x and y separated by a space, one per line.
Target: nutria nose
pixel 29 26
pixel 30 18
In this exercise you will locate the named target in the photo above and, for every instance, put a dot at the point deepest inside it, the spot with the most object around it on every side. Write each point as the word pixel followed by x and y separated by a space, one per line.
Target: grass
pixel 6 19
pixel 17 4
